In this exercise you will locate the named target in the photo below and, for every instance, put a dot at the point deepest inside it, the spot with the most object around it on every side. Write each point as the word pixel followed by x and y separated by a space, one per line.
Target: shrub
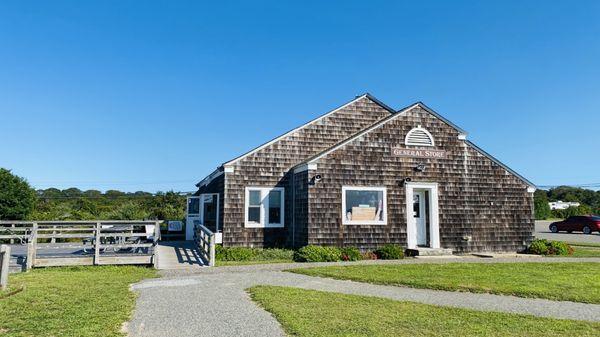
pixel 538 247
pixel 351 254
pixel 390 252
pixel 234 253
pixel 369 256
pixel 559 248
pixel 545 247
pixel 312 253
pixel 251 254
pixel 274 254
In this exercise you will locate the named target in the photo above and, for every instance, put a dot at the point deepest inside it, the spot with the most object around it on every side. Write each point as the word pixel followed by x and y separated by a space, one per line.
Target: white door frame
pixel 433 215
pixel 214 195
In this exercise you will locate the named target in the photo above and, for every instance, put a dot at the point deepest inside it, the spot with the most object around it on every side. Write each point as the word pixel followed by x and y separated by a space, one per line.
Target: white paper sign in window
pixel 364 205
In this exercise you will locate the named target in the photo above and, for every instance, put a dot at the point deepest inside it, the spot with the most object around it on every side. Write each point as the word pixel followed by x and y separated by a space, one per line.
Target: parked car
pixel 585 223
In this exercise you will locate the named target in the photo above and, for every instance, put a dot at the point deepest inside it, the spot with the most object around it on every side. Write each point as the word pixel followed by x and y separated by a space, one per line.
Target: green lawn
pixel 581 251
pixel 77 301
pixel 579 282
pixel 315 313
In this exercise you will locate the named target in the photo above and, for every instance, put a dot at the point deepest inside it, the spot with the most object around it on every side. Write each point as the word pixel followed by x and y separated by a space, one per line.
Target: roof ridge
pixel 367 95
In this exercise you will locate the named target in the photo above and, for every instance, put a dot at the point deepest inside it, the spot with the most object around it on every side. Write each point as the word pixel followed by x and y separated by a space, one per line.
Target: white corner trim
pixel 434 217
pixel 462 136
pixel 531 189
pixel 294 130
pixel 306 167
pixel 229 169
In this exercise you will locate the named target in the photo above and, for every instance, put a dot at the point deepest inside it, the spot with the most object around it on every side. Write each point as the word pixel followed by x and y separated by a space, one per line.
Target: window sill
pixel 257 225
pixel 362 223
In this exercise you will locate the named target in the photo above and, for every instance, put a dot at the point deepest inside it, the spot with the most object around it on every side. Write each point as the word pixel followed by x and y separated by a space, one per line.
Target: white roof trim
pixel 305 167
pixel 365 131
pixel 215 174
pixel 294 130
pixel 401 112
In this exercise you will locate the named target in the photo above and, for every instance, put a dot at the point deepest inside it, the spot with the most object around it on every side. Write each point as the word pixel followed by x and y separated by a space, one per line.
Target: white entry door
pixel 420 217
pixel 193 216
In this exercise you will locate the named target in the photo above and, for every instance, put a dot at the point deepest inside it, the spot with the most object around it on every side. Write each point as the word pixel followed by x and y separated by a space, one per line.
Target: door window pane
pixel 364 205
pixel 193 206
pixel 275 207
pixel 417 205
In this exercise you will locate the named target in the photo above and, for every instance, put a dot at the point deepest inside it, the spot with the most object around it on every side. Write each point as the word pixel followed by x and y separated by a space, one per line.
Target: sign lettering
pixel 418 153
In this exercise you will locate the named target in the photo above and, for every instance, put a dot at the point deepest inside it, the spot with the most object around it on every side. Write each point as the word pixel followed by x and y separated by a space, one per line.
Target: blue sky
pixel 153 96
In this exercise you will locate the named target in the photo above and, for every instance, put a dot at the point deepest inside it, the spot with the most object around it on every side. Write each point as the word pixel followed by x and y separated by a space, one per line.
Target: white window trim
pixel 264 208
pixel 364 188
pixel 419 128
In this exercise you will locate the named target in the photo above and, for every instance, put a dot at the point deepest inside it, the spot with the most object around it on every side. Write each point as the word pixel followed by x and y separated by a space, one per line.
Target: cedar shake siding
pixel 270 165
pixel 478 198
pixel 482 205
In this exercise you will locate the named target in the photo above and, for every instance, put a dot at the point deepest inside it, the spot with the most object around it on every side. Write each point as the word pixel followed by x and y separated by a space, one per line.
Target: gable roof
pixel 357 98
pixel 401 112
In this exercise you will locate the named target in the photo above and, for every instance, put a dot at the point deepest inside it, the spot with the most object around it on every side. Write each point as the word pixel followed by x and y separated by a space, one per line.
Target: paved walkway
pixel 213 301
pixel 179 255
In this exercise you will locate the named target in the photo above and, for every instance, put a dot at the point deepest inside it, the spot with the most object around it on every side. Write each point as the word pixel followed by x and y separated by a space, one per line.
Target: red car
pixel 585 223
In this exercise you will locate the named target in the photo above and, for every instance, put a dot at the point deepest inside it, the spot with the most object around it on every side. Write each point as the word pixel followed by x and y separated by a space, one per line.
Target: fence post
pixel 53 239
pixel 211 261
pixel 4 260
pixel 155 244
pixel 12 240
pixel 32 247
pixel 97 244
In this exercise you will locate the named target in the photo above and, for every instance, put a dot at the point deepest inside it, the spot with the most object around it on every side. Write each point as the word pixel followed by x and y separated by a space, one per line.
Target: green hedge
pixel 312 253
pixel 545 247
pixel 252 254
pixel 390 252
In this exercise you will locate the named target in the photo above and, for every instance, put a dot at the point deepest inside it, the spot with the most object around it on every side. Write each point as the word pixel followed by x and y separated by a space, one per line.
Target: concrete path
pixel 179 255
pixel 213 301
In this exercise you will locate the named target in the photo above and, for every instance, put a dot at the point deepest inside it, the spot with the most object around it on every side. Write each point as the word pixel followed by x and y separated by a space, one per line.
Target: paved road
pixel 542 232
pixel 213 301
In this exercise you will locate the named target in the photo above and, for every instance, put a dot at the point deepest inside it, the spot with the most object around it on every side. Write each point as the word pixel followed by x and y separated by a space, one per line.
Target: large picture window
pixel 364 205
pixel 264 207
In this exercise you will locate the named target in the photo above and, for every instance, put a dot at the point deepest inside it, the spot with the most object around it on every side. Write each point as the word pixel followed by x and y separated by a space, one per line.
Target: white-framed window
pixel 419 137
pixel 364 205
pixel 264 207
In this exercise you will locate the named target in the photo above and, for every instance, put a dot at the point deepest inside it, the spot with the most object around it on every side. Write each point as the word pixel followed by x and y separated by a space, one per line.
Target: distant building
pixel 562 204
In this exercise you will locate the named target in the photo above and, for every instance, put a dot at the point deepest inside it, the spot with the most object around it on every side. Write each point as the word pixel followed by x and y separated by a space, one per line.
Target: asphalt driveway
pixel 542 232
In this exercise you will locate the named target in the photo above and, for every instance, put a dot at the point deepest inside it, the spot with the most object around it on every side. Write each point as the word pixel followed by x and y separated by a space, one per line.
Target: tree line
pixel 19 201
pixel 589 200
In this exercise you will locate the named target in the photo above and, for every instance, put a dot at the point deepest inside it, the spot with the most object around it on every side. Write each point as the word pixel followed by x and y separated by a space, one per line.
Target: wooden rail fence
pixel 68 243
pixel 205 240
